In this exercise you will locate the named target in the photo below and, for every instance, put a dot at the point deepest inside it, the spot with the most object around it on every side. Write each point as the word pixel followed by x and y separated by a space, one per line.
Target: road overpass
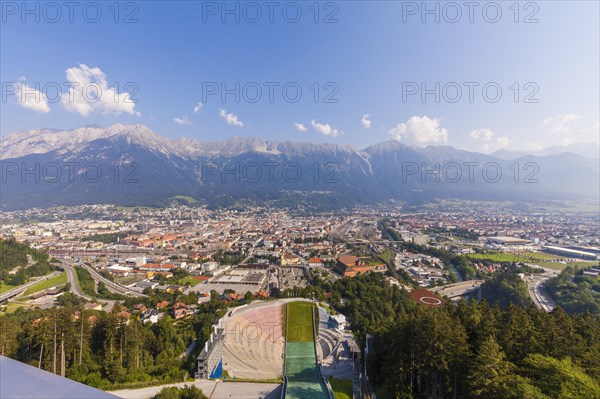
pixel 22 288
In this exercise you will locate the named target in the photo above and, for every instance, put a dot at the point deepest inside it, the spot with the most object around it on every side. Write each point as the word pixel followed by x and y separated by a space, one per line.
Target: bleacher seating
pixel 254 343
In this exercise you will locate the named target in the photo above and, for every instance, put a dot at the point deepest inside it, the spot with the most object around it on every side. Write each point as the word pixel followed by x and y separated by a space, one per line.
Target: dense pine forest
pixel 575 292
pixel 105 349
pixel 470 349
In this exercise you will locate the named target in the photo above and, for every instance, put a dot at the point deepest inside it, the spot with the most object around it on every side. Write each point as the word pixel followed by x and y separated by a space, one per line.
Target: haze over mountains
pixel 132 165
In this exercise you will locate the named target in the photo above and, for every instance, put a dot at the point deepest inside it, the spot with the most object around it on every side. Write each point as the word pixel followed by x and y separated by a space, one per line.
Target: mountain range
pixel 134 166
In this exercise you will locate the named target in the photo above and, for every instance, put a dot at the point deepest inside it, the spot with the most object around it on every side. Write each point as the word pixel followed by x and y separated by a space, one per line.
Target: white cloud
pixel 300 127
pixel 197 107
pixel 500 143
pixel 595 127
pixel 30 98
pixel 325 129
pixel 503 141
pixel 230 118
pixel 366 121
pixel 486 136
pixel 560 123
pixel 567 141
pixel 182 121
pixel 89 92
pixel 420 130
pixel 481 134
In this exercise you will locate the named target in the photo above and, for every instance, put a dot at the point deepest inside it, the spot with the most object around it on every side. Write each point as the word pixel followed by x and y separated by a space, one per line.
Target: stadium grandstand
pixel 291 340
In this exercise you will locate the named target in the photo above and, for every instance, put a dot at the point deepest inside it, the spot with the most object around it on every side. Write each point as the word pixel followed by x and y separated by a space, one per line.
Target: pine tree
pixel 491 373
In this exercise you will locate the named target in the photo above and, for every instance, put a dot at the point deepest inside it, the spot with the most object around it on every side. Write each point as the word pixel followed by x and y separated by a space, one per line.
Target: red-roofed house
pixel 314 262
pixel 179 310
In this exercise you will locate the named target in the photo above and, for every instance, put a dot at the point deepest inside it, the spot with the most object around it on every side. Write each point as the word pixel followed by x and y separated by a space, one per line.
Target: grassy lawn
pixel 51 282
pixel 372 261
pixel 561 266
pixel 342 389
pixel 538 258
pixel 6 287
pixel 189 279
pixel 12 306
pixel 385 255
pixel 509 257
pixel 300 327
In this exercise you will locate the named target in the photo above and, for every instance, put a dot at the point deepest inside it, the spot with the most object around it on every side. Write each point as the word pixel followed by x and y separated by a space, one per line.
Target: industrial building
pixel 571 253
pixel 507 241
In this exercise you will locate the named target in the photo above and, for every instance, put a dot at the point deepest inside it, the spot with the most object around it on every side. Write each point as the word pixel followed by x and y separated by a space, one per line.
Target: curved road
pixel 76 289
pixel 72 278
pixel 535 285
pixel 112 286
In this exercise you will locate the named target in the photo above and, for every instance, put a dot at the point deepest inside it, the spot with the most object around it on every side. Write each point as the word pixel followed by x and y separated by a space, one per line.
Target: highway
pixel 73 282
pixel 22 288
pixel 111 286
pixel 535 285
pixel 76 290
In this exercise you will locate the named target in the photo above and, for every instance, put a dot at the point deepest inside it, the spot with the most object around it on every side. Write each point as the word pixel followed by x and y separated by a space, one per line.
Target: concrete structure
pixel 209 266
pixel 119 270
pixel 350 266
pixel 572 253
pixel 210 360
pixel 254 341
pixel 593 272
pixel 289 259
pixel 339 322
pixel 507 241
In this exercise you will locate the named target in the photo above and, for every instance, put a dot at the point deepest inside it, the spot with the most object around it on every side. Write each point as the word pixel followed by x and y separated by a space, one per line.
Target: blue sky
pixel 370 58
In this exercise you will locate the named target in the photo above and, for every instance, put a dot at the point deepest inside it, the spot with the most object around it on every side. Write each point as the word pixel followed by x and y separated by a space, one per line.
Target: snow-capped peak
pixel 46 140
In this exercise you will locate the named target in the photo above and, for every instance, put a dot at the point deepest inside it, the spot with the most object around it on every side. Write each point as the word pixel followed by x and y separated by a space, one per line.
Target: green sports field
pixel 538 258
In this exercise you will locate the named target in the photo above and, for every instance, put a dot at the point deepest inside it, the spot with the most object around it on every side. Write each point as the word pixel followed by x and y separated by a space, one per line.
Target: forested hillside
pixel 105 350
pixel 471 350
pixel 13 255
pixel 575 292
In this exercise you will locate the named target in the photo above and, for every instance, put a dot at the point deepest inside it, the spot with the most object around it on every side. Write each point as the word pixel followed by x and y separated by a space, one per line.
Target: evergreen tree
pixel 491 374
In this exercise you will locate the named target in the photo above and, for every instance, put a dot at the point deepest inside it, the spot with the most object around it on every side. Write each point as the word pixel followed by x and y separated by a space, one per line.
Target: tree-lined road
pixel 73 282
pixel 535 285
pixel 76 289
